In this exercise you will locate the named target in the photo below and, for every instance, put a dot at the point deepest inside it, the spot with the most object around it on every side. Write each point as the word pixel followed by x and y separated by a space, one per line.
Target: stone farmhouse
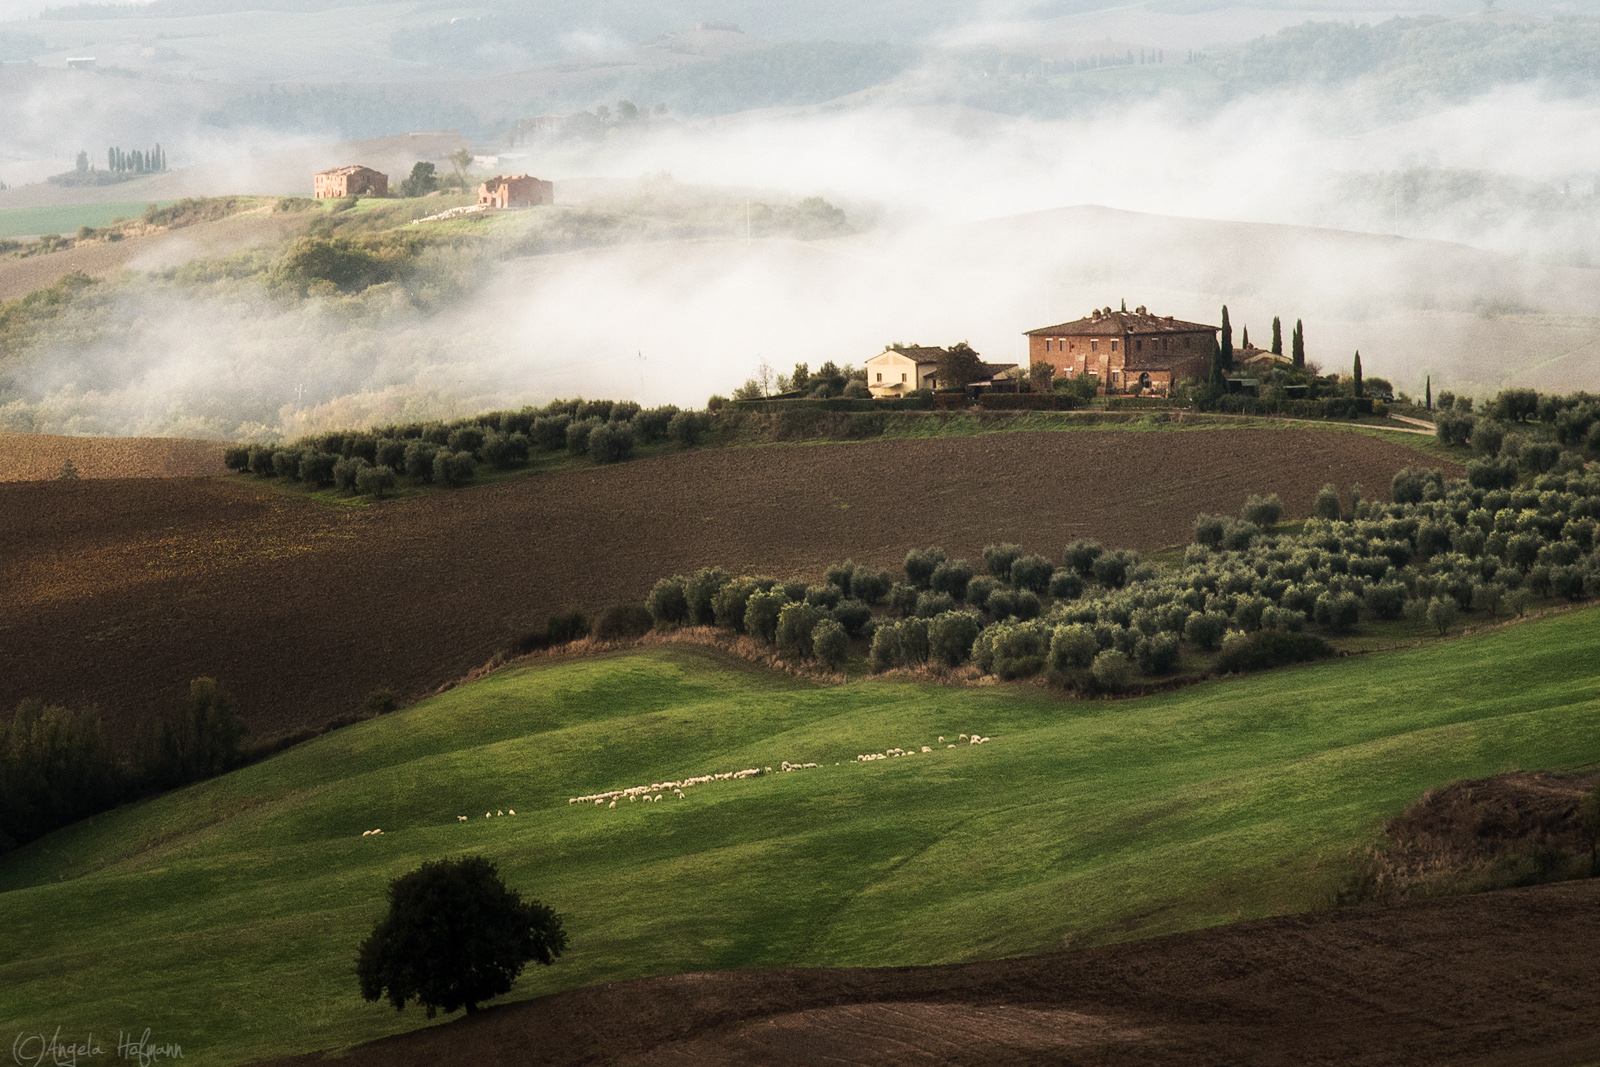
pixel 1129 351
pixel 898 371
pixel 349 181
pixel 515 190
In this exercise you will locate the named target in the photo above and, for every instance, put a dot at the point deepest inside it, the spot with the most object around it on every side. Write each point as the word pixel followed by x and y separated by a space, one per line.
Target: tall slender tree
pixel 1428 394
pixel 1244 339
pixel 1227 340
pixel 1360 390
pixel 1277 336
pixel 1299 343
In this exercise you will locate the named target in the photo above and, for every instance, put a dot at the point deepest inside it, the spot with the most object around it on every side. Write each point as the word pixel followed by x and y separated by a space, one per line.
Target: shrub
pixel 1019 651
pixel 1283 619
pixel 1248 611
pixel 853 615
pixel 578 431
pixel 839 575
pixel 1453 427
pixel 465 439
pixel 979 590
pixel 1327 505
pixel 728 603
pixel 1272 648
pixel 651 426
pixel 549 432
pixel 1487 436
pixel 1208 530
pixel 1032 573
pixel 611 442
pixel 1442 613
pixel 285 464
pixel 950 637
pixel 236 459
pixel 885 651
pixel 373 481
pixel 1262 511
pixel 567 628
pixel 1157 654
pixel 688 428
pixel 869 586
pixel 668 603
pixel 316 468
pixel 761 614
pixel 903 599
pixel 1385 600
pixel 260 462
pixel 595 409
pixel 391 452
pixel 419 460
pixel 998 559
pixel 920 564
pixel 1111 568
pixel 623 622
pixel 1492 474
pixel 1338 612
pixel 1204 629
pixel 1073 648
pixel 1110 670
pixel 913 636
pixel 453 468
pixel 624 411
pixel 345 470
pixel 1066 584
pixel 830 644
pixel 951 576
pixel 1237 535
pixel 380 702
pixel 1080 556
pixel 698 593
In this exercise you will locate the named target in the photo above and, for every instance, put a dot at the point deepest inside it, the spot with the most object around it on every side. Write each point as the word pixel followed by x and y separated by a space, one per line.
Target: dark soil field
pixel 36 457
pixel 1508 978
pixel 117 593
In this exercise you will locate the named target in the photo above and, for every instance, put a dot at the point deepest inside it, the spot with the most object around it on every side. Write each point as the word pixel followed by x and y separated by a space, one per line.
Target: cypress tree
pixel 1124 303
pixel 1244 340
pixel 1299 344
pixel 1227 340
pixel 1359 391
pixel 1217 368
pixel 1277 336
pixel 111 159
pixel 1428 395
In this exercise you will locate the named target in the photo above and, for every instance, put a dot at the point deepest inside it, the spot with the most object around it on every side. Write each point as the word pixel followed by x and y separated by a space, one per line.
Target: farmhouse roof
pixel 915 353
pixel 1127 323
pixel 351 169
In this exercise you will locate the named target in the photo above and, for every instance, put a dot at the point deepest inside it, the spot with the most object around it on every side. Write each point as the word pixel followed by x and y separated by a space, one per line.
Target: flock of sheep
pixel 657 791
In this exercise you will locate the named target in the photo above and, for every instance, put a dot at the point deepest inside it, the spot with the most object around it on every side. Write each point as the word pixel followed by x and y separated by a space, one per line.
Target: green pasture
pixel 67 218
pixel 225 917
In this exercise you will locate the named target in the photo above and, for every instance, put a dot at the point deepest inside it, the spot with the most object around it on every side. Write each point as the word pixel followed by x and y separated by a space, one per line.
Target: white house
pixel 898 371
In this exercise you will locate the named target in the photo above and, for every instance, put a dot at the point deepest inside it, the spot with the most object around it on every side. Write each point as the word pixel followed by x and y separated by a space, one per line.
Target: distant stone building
pixel 1128 351
pixel 350 181
pixel 515 190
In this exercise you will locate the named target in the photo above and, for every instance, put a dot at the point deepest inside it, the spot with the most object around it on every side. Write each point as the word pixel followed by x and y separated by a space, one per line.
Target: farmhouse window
pixel 902 378
pixel 1094 346
pixel 1140 347
pixel 1113 346
pixel 880 376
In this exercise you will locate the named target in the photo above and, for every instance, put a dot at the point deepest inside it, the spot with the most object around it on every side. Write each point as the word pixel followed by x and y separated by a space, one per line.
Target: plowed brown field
pixel 32 457
pixel 119 592
pixel 1508 978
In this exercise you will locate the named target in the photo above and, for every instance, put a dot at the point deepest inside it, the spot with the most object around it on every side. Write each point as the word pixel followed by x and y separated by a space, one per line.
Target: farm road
pixel 1507 978
pixel 117 593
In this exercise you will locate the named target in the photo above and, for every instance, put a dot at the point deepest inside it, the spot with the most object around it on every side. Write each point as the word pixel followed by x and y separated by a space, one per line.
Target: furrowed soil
pixel 117 593
pixel 31 457
pixel 1508 978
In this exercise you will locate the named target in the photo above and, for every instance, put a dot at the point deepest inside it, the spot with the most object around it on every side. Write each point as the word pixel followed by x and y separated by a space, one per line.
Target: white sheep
pixel 941 740
pixel 461 818
pixel 499 813
pixel 366 833
pixel 512 811
pixel 612 804
pixel 925 748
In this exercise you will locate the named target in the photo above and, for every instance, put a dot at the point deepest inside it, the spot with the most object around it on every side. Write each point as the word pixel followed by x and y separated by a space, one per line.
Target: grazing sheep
pixel 512 811
pixel 612 804
pixel 949 746
pixel 366 833
pixel 925 748
pixel 461 818
pixel 941 740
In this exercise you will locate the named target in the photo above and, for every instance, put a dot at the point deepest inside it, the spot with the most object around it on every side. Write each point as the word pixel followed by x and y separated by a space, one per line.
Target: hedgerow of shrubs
pixel 1247 590
pixel 449 454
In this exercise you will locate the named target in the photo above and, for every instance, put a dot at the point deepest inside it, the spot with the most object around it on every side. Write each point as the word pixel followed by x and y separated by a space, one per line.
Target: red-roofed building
pixel 515 190
pixel 349 181
pixel 1129 351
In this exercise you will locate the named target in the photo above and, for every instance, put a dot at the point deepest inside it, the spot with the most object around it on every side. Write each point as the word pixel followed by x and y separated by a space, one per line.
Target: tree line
pixel 449 454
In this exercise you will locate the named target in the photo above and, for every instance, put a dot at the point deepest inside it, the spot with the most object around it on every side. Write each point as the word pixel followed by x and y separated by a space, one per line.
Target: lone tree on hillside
pixel 959 367
pixel 455 936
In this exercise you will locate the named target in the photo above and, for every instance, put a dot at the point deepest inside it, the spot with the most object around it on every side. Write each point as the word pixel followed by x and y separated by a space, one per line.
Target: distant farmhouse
pixel 350 181
pixel 515 190
pixel 898 371
pixel 1129 351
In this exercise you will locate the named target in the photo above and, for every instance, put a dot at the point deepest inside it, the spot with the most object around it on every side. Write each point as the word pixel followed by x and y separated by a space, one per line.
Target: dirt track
pixel 1508 978
pixel 117 593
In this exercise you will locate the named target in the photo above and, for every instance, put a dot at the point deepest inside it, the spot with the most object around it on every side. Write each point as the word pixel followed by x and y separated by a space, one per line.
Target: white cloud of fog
pixel 973 245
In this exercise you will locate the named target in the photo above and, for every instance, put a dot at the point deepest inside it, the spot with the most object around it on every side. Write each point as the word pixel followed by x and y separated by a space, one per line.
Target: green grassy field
pixel 225 917
pixel 65 219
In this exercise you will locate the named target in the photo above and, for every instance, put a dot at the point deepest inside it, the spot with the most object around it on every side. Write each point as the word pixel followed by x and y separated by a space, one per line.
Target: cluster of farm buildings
pixel 1128 352
pixel 501 191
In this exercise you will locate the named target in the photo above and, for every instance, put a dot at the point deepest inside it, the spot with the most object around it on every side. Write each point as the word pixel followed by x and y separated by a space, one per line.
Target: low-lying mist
pixel 969 226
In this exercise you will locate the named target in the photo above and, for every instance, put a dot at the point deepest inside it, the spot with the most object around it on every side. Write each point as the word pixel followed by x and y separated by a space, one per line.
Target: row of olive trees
pixel 449 454
pixel 1245 590
pixel 57 766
